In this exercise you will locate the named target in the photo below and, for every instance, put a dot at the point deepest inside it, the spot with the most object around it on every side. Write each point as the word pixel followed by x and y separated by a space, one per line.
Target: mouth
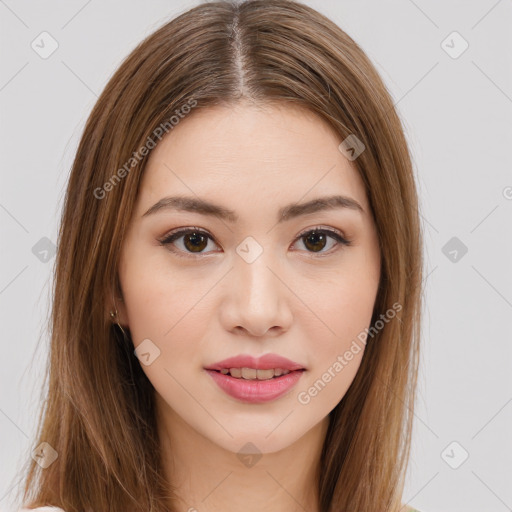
pixel 253 373
pixel 256 379
pixel 252 385
pixel 244 365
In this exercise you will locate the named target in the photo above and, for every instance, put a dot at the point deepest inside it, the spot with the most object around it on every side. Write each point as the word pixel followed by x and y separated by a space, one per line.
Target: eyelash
pixel 175 235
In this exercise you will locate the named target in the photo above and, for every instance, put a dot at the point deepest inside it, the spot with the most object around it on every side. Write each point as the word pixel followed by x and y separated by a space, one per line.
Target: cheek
pixel 337 355
pixel 344 304
pixel 165 321
pixel 352 309
pixel 168 307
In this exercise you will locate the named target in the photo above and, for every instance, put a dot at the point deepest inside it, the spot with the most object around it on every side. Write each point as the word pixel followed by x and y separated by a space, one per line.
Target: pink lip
pixel 266 362
pixel 256 391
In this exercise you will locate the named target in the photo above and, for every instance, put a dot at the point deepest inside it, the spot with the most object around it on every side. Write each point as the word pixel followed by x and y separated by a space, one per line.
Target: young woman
pixel 237 291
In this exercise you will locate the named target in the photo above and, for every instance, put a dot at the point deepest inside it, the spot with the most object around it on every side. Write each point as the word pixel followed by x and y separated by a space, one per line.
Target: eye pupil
pixel 197 240
pixel 314 238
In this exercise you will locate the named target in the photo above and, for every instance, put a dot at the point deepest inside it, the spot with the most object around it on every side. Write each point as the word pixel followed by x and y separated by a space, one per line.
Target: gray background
pixel 457 116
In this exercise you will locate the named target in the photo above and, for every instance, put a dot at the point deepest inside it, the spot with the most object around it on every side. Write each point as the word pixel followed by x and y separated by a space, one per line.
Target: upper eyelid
pixel 185 230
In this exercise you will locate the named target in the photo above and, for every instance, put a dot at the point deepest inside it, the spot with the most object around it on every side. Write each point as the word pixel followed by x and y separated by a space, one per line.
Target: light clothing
pixel 41 509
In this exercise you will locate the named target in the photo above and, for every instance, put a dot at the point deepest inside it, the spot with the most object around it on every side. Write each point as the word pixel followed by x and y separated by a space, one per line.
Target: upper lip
pixel 266 362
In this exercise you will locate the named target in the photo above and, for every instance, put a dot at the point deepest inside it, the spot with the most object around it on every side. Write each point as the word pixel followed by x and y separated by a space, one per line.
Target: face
pixel 255 278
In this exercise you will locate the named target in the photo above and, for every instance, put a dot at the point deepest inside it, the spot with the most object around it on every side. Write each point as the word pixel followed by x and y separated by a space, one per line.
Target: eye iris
pixel 198 241
pixel 314 238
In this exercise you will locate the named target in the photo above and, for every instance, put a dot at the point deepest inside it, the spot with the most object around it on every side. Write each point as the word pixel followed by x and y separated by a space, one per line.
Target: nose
pixel 257 299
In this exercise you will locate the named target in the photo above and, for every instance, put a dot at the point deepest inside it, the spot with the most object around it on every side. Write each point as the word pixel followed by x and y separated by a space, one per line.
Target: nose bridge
pixel 257 287
pixel 257 297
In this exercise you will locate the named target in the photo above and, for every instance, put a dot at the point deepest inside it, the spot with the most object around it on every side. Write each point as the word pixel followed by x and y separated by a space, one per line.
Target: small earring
pixel 113 315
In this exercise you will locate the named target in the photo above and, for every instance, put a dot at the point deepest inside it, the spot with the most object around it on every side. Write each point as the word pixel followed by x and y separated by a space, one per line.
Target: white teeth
pixel 264 374
pixel 249 373
pixel 253 374
pixel 235 372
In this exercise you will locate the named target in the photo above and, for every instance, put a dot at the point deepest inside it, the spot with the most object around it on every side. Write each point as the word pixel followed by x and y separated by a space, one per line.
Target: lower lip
pixel 256 391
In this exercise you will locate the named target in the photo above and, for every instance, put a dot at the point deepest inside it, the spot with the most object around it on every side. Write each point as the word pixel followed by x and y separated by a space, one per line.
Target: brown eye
pixel 193 241
pixel 315 241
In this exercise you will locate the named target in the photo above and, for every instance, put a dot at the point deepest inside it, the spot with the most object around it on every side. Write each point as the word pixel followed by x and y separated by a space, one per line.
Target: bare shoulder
pixel 408 508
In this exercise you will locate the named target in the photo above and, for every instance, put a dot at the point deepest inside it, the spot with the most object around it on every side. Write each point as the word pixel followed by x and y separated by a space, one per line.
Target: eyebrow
pixel 203 207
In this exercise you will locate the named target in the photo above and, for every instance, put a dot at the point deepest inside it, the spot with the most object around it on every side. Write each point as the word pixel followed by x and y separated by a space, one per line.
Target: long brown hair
pixel 99 414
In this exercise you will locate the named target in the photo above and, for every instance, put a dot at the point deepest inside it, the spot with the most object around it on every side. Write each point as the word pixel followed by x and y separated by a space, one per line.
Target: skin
pixel 307 306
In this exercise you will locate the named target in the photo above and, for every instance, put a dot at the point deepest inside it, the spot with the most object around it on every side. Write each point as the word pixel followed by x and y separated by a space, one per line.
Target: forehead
pixel 245 152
